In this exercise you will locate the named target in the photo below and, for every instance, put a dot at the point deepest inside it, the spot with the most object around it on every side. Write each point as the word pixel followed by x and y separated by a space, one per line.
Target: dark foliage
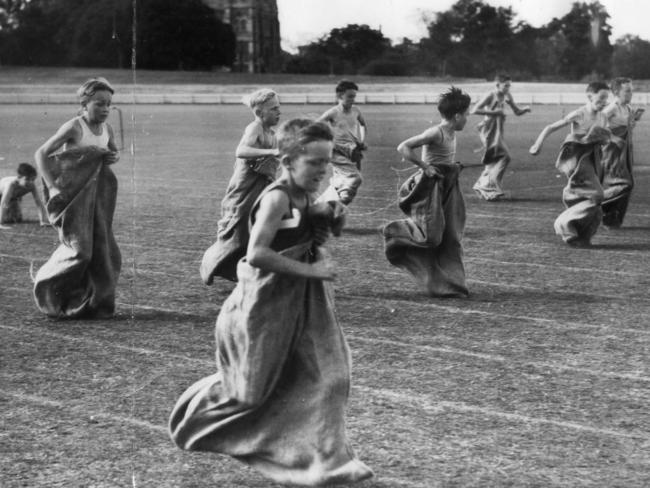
pixel 99 33
pixel 475 39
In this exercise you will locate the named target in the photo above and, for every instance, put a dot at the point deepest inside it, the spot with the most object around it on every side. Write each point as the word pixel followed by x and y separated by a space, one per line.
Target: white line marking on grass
pixel 423 347
pixel 428 404
pixel 81 411
pixel 423 402
pixel 394 273
pixel 470 311
pixel 502 359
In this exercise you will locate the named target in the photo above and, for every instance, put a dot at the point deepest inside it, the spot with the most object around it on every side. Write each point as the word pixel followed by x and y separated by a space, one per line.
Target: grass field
pixel 539 379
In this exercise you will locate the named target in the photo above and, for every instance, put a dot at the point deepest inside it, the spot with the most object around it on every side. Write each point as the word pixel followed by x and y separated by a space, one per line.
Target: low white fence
pixel 551 98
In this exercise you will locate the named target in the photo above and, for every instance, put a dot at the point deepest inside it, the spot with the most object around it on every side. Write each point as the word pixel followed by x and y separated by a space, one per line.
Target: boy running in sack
pixel 256 166
pixel 618 154
pixel 277 401
pixel 580 161
pixel 427 244
pixel 349 135
pixel 497 154
pixel 80 278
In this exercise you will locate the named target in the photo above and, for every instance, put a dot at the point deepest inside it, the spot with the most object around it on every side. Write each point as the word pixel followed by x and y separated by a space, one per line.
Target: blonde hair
pixel 90 87
pixel 258 98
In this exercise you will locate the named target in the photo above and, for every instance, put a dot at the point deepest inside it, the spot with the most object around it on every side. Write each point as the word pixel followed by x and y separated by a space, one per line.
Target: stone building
pixel 257 29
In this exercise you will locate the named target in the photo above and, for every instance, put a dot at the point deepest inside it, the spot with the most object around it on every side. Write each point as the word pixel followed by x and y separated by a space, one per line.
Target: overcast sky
pixel 303 21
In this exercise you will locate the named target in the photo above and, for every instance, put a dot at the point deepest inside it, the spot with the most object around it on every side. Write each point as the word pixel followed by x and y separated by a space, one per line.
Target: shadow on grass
pixel 632 228
pixel 477 294
pixel 621 246
pixel 360 231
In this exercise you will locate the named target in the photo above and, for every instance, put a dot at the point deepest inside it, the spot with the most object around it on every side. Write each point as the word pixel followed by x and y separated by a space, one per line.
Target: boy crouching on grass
pixel 12 190
pixel 427 244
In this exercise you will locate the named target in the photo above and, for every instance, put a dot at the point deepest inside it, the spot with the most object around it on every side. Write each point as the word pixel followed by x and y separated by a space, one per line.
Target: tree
pixel 182 35
pixel 98 33
pixel 631 57
pixel 470 39
pixel 588 50
pixel 9 12
pixel 343 50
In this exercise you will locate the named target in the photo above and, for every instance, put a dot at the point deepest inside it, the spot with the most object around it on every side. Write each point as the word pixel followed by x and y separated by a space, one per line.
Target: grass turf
pixel 539 379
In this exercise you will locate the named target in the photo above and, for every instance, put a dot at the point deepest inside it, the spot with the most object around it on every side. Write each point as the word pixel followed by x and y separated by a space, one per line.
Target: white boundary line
pixel 400 344
pixel 370 270
pixel 425 402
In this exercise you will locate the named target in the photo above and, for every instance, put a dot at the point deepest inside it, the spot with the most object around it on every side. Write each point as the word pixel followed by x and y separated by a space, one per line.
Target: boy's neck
pixel 447 125
pixel 93 124
pixel 264 126
pixel 346 110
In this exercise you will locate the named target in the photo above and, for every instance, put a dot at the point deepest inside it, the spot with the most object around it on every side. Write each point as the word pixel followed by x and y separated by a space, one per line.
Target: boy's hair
pixel 596 86
pixel 90 87
pixel 617 83
pixel 453 101
pixel 26 169
pixel 345 85
pixel 502 78
pixel 258 98
pixel 294 134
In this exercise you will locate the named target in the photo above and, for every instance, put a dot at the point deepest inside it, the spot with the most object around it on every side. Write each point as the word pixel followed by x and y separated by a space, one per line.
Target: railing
pixel 551 98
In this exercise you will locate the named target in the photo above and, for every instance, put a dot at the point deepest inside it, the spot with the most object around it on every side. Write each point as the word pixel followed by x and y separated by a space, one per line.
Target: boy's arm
pixel 407 149
pixel 247 148
pixel 65 133
pixel 480 107
pixel 259 253
pixel 363 129
pixel 41 207
pixel 548 130
pixel 515 108
pixel 114 156
pixel 7 194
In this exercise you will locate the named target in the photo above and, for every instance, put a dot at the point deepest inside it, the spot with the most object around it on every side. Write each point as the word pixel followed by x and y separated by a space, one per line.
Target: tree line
pixel 171 34
pixel 475 39
pixel 470 39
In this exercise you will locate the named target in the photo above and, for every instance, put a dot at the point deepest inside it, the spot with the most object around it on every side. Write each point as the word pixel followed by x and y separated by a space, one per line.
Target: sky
pixel 304 21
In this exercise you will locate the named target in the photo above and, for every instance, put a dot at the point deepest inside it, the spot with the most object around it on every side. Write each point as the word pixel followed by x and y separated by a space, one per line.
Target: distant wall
pixel 292 98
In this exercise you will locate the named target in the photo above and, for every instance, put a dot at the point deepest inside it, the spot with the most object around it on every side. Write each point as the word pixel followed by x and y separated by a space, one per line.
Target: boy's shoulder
pixel 254 126
pixel 7 182
pixel 432 134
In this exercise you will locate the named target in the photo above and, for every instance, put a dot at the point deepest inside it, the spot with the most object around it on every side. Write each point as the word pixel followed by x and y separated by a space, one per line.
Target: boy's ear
pixel 285 160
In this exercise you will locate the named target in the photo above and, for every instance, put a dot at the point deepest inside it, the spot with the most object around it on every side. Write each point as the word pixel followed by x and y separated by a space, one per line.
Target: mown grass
pixel 539 379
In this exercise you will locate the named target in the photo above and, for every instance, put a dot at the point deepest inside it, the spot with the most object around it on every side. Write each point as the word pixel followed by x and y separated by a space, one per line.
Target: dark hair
pixel 453 101
pixel 294 134
pixel 26 169
pixel 596 86
pixel 345 85
pixel 617 83
pixel 503 78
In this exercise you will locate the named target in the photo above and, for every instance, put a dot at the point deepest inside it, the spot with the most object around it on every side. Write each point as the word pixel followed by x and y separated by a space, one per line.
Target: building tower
pixel 257 30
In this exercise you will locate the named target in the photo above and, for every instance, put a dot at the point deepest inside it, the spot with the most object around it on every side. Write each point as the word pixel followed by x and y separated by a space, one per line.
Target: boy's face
pixel 625 93
pixel 598 100
pixel 503 86
pixel 269 112
pixel 460 120
pixel 25 181
pixel 99 106
pixel 347 98
pixel 309 168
